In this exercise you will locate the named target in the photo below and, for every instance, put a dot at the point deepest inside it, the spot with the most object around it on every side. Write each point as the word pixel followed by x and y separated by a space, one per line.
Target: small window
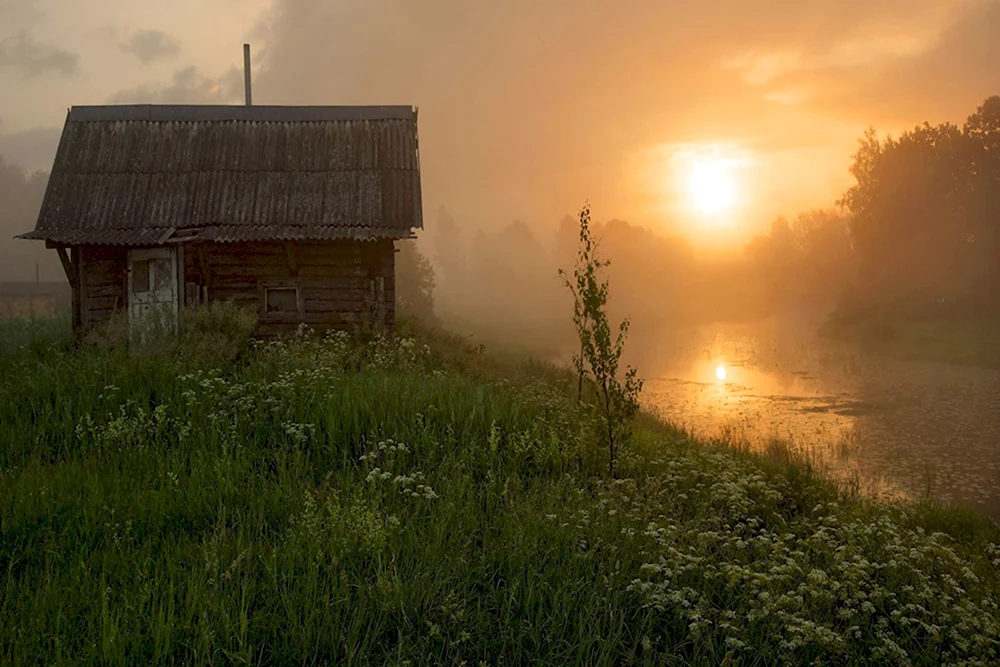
pixel 281 300
pixel 161 275
pixel 140 275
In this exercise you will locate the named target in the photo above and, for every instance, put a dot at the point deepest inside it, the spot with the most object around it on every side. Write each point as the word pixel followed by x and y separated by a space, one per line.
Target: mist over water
pixel 900 428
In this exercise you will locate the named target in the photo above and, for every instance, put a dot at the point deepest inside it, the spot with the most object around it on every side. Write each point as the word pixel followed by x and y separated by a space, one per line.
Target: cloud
pixel 23 53
pixel 32 150
pixel 944 79
pixel 527 108
pixel 151 45
pixel 950 80
pixel 189 86
pixel 21 12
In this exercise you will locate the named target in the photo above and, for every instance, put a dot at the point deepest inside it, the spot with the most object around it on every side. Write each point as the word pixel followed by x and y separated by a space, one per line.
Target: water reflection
pixel 898 428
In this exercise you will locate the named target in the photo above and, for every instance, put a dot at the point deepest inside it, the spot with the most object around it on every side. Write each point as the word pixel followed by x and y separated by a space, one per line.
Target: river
pixel 892 427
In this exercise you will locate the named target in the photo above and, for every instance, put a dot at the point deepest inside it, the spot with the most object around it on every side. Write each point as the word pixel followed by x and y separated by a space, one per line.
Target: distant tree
pixel 827 261
pixel 414 283
pixel 776 256
pixel 449 252
pixel 912 213
pixel 808 258
pixel 983 197
pixel 20 200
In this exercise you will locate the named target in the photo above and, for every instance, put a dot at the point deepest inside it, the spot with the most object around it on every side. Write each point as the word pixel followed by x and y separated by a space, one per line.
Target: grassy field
pixel 411 501
pixel 19 333
pixel 963 341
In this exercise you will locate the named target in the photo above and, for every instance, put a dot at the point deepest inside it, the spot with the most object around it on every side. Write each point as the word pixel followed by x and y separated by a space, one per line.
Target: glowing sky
pixel 529 108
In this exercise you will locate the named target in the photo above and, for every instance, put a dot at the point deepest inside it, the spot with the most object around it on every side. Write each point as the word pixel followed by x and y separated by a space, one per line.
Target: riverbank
pixel 969 342
pixel 419 501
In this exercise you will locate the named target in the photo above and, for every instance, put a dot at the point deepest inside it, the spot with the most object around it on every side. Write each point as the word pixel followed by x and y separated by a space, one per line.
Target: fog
pixel 528 110
pixel 504 285
pixel 20 198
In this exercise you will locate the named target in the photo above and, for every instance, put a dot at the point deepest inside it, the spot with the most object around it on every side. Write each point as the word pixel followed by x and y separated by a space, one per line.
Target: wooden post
pixel 293 263
pixel 81 281
pixel 192 295
pixel 181 294
pixel 380 302
pixel 122 259
pixel 246 74
pixel 74 272
pixel 67 265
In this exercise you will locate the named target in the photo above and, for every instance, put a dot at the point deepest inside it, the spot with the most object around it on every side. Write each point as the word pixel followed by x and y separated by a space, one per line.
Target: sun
pixel 711 186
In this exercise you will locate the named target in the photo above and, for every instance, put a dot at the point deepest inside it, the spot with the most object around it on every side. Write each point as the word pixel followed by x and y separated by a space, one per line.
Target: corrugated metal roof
pixel 104 236
pixel 217 233
pixel 136 174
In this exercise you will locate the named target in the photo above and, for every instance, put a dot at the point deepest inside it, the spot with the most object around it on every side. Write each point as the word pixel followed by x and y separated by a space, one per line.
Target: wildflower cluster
pixel 719 558
pixel 332 527
pixel 131 427
pixel 394 456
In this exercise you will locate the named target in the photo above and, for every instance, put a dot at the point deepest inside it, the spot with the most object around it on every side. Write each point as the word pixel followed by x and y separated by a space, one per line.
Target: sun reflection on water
pixel 878 426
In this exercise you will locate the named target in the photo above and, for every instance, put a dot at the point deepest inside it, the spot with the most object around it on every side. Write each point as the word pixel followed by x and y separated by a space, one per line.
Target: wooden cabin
pixel 290 210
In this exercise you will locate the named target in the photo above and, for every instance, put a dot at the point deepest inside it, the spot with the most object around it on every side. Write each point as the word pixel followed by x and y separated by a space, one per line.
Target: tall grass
pixel 17 333
pixel 411 501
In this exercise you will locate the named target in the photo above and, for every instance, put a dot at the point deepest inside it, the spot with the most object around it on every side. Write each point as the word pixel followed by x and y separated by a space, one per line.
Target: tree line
pixel 20 199
pixel 918 233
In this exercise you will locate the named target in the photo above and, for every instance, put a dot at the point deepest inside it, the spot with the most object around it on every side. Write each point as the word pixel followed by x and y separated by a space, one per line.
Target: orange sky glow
pixel 529 109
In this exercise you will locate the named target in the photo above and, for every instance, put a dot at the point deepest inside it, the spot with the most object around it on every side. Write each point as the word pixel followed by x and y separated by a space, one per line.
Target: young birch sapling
pixel 600 352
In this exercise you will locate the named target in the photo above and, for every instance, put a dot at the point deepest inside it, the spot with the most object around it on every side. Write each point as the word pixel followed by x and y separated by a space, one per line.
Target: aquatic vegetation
pixel 407 501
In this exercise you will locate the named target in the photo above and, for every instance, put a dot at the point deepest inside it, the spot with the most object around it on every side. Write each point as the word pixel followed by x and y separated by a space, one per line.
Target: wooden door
pixel 152 290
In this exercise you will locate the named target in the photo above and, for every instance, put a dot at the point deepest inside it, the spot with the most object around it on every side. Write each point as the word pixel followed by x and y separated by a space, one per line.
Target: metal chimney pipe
pixel 246 73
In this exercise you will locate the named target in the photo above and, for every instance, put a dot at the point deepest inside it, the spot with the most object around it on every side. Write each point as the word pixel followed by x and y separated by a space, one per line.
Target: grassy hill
pixel 413 501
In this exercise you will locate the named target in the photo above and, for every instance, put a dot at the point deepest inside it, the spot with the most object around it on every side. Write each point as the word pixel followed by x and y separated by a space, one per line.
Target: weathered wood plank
pixel 352 293
pixel 243 258
pixel 105 290
pixel 103 278
pixel 272 248
pixel 218 294
pixel 95 304
pixel 103 315
pixel 332 271
pixel 314 307
pixel 282 260
pixel 221 272
pixel 323 248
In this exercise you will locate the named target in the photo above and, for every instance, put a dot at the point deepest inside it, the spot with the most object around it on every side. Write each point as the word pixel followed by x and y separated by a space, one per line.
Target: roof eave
pixel 231 112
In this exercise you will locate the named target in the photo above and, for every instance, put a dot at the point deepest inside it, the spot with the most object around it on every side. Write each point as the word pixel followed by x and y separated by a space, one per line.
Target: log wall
pixel 103 274
pixel 340 283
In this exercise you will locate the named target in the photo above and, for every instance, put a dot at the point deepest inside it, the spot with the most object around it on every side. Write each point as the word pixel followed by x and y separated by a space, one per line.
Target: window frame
pixel 280 284
pixel 147 285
